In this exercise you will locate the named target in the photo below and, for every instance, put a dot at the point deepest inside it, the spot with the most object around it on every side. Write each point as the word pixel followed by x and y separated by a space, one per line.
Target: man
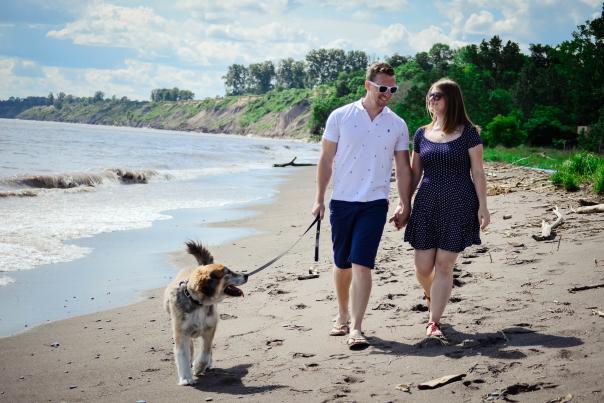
pixel 359 143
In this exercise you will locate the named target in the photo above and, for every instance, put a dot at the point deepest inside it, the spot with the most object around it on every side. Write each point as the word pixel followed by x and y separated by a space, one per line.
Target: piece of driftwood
pixel 585 202
pixel 437 383
pixel 547 229
pixel 598 208
pixel 585 287
pixel 292 164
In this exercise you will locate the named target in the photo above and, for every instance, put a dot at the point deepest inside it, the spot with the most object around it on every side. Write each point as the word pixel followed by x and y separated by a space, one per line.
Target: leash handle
pixel 317 240
pixel 273 260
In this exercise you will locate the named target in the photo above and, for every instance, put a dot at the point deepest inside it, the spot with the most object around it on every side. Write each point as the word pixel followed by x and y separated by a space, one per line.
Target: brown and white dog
pixel 191 300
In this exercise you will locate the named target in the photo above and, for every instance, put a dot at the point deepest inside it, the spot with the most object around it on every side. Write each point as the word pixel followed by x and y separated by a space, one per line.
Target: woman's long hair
pixel 455 113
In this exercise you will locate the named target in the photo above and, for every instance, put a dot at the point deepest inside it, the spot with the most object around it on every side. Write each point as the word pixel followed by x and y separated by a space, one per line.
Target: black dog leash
pixel 273 260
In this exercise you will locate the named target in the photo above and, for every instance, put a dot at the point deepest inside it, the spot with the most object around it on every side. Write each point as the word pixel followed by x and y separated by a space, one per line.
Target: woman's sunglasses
pixel 435 96
pixel 384 88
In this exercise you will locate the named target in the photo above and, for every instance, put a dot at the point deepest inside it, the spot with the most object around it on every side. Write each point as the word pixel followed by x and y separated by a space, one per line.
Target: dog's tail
pixel 201 253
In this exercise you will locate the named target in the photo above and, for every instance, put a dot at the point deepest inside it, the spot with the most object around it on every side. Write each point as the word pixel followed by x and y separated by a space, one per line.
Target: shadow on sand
pixel 229 380
pixel 459 344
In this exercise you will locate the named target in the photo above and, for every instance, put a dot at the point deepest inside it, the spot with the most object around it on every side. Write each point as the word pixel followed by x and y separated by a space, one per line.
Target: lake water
pixel 88 213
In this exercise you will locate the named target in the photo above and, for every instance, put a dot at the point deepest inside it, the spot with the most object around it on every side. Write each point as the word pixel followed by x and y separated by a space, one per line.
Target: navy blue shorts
pixel 356 231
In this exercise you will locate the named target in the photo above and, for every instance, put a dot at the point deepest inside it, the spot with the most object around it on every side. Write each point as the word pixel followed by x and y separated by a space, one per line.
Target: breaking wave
pixel 30 185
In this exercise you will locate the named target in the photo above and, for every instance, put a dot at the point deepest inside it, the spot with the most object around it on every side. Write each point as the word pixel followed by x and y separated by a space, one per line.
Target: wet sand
pixel 514 330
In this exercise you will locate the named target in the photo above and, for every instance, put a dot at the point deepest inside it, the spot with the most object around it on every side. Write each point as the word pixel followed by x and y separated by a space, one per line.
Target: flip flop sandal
pixel 433 330
pixel 339 329
pixel 357 343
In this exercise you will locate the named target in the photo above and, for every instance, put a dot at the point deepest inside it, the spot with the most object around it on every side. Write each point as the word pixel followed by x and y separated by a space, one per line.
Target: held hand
pixel 400 217
pixel 318 208
pixel 484 218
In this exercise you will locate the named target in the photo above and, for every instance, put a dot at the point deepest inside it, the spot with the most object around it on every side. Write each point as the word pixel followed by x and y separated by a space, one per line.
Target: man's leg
pixel 342 279
pixel 360 289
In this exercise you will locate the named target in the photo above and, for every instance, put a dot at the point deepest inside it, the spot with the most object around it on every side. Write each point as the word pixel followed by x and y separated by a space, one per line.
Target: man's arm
pixel 403 185
pixel 324 170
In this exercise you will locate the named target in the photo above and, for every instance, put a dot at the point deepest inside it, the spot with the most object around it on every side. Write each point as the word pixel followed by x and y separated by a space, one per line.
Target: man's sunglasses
pixel 435 96
pixel 384 88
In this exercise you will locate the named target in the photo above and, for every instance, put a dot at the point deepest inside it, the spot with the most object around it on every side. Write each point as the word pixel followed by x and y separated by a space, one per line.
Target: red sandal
pixel 433 330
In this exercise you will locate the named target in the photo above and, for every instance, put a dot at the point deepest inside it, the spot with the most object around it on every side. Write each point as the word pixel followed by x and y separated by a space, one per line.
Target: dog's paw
pixel 201 366
pixel 201 369
pixel 186 381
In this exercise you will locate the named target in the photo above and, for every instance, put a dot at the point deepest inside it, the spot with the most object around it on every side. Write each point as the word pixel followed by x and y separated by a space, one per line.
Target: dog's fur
pixel 191 300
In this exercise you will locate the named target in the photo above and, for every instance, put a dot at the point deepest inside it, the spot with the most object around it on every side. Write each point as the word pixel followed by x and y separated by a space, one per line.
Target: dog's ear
pixel 208 286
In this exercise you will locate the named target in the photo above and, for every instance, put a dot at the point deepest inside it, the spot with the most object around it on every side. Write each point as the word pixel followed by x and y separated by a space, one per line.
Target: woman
pixel 450 207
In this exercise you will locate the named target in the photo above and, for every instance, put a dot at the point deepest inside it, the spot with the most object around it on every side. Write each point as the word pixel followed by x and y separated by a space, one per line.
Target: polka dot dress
pixel 445 209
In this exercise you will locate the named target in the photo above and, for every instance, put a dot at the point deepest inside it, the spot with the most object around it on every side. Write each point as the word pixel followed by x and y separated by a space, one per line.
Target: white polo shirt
pixel 363 161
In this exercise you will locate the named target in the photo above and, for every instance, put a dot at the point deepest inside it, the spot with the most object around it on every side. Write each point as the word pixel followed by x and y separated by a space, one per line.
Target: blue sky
pixel 130 47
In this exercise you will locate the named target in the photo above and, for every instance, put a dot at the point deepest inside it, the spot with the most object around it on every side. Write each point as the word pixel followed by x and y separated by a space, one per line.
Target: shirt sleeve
pixel 332 128
pixel 473 137
pixel 402 144
pixel 417 139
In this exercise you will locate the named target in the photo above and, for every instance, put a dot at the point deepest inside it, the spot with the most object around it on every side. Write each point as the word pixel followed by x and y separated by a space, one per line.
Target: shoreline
pixel 512 320
pixel 97 281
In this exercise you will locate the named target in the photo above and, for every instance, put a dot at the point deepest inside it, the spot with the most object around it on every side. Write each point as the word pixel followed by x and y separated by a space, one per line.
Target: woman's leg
pixel 424 269
pixel 442 283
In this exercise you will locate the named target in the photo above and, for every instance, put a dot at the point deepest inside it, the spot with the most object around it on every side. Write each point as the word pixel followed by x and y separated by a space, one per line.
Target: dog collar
pixel 187 293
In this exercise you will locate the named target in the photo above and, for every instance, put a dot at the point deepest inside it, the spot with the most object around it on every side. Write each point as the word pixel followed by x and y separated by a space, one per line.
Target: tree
pixel 59 100
pixel 504 130
pixel 440 57
pixel 98 96
pixel 544 128
pixel 356 60
pixel 236 79
pixel 291 74
pixel 423 59
pixel 396 60
pixel 261 76
pixel 324 65
pixel 185 95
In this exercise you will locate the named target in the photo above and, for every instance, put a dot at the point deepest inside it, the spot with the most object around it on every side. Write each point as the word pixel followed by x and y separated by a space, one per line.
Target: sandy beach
pixel 515 330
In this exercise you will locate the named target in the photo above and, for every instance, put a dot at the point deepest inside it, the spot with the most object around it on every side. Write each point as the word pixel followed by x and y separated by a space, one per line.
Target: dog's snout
pixel 245 276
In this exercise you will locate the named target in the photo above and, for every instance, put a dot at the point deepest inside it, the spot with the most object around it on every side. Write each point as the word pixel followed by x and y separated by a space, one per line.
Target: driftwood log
pixel 547 229
pixel 293 164
pixel 598 208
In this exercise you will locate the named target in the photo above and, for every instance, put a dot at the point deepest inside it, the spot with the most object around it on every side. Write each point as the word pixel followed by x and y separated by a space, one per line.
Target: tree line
pixel 321 66
pixel 552 97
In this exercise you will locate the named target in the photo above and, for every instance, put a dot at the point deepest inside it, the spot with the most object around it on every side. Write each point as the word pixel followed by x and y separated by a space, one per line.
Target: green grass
pixel 543 158
pixel 274 101
pixel 572 168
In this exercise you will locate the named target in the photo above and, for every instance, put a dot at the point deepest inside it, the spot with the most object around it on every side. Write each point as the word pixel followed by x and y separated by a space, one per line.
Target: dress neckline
pixel 444 142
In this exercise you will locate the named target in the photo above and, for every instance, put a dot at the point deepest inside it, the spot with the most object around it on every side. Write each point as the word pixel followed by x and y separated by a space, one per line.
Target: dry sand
pixel 514 329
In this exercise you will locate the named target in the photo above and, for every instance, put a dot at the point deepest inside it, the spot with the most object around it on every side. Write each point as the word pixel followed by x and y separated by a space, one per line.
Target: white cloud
pixel 135 80
pixel 191 42
pixel 231 9
pixel 479 23
pixel 397 36
pixel 387 5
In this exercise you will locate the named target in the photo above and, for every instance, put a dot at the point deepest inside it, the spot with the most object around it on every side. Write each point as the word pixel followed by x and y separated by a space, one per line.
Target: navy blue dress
pixel 445 209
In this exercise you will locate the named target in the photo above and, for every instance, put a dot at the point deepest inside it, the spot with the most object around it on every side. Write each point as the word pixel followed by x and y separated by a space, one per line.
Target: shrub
pixel 583 164
pixel 592 139
pixel 544 128
pixel 599 180
pixel 581 167
pixel 504 130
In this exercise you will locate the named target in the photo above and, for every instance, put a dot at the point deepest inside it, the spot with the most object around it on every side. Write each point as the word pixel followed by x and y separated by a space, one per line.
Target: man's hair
pixel 378 68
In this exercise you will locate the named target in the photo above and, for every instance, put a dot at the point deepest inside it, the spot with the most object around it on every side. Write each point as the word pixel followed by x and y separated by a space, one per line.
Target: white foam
pixel 35 230
pixel 5 280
